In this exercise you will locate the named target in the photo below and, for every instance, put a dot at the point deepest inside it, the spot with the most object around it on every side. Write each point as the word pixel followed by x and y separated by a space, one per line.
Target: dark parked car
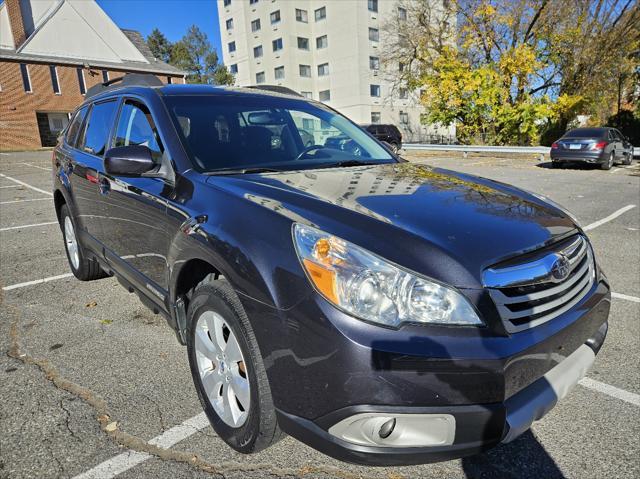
pixel 387 133
pixel 601 146
pixel 380 311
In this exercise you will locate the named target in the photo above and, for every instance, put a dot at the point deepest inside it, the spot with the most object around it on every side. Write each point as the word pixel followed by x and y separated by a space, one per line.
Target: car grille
pixel 533 292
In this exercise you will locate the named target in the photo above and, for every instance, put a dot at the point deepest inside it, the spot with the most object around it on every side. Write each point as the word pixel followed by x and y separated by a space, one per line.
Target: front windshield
pixel 229 132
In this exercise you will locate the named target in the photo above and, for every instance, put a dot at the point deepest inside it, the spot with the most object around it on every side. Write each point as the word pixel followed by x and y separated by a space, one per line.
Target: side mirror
pixel 132 160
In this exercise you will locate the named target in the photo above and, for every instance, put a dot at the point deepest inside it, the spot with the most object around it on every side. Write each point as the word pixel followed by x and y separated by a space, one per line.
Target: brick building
pixel 51 52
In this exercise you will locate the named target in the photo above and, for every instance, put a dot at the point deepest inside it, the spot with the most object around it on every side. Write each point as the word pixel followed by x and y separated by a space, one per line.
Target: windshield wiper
pixel 350 163
pixel 242 171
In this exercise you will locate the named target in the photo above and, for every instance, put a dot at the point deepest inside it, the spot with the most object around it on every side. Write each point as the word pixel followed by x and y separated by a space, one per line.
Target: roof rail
pixel 129 79
pixel 275 88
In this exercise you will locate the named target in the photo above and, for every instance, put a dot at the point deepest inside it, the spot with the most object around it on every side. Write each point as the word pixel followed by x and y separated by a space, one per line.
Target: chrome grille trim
pixel 544 296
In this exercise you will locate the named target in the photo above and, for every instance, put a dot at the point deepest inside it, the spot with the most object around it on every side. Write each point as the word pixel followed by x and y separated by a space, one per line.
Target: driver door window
pixel 136 127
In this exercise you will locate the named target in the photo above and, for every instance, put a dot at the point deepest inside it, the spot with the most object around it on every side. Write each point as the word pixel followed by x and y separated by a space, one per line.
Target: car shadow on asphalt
pixel 523 458
pixel 548 165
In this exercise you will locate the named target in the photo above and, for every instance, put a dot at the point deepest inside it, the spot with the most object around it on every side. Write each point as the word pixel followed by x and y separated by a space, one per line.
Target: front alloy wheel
pixel 227 368
pixel 222 369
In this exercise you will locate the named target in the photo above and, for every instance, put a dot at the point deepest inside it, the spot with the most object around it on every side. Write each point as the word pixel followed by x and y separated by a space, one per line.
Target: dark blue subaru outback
pixel 380 311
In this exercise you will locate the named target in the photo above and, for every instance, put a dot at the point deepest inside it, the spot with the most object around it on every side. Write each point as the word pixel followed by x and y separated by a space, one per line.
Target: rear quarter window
pixel 74 127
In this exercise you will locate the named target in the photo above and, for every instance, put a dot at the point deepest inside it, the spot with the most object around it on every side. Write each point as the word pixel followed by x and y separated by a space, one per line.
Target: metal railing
pixel 536 150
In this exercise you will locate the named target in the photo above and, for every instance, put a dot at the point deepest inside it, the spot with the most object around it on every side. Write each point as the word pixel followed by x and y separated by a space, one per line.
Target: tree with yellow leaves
pixel 504 72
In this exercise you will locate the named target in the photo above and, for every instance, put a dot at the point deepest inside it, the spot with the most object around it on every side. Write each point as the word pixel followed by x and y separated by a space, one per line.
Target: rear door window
pixel 95 135
pixel 74 127
pixel 136 127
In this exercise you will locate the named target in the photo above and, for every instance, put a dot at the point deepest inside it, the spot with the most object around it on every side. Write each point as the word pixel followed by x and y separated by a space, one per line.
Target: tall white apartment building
pixel 328 50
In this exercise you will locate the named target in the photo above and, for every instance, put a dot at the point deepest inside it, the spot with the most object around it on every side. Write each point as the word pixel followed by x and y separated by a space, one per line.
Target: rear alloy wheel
pixel 227 368
pixel 628 158
pixel 609 163
pixel 82 267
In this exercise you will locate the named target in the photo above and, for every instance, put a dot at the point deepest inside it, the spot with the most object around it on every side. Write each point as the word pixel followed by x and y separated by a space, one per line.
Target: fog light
pixel 399 430
pixel 387 428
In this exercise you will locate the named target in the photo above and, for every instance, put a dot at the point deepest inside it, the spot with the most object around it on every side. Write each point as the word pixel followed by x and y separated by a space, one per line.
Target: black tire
pixel 88 269
pixel 609 163
pixel 260 429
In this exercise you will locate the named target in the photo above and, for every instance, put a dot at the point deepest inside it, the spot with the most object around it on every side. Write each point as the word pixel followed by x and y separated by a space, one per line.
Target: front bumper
pixel 325 367
pixel 477 427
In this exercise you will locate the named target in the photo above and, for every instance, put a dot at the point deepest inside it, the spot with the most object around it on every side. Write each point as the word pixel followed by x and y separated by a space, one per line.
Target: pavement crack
pixel 134 443
pixel 67 420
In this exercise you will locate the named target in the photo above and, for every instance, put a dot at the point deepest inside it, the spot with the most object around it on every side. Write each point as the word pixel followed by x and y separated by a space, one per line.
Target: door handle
pixel 105 186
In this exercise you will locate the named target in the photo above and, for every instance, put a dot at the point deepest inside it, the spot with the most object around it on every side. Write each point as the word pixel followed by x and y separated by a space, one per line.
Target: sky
pixel 172 17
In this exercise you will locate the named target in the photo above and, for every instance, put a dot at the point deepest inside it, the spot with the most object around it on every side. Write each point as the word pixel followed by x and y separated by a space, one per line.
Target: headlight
pixel 370 288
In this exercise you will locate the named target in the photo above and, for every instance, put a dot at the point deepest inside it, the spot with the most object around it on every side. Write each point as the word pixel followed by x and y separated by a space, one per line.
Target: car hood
pixel 396 209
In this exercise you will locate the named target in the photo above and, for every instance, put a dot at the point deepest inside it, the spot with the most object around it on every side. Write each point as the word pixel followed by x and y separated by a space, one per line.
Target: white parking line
pixel 612 216
pixel 36 166
pixel 612 391
pixel 10 186
pixel 26 184
pixel 23 201
pixel 125 461
pixel 625 296
pixel 36 281
pixel 28 226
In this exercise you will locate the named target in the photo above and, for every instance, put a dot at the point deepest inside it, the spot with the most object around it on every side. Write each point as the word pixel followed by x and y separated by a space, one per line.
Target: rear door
pixel 84 168
pixel 135 224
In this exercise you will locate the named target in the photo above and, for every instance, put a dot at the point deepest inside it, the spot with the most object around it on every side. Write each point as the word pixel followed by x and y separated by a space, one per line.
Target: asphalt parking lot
pixel 92 384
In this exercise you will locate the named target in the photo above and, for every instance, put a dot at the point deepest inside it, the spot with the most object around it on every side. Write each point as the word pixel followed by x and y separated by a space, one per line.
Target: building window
pixel 255 25
pixel 321 14
pixel 301 16
pixel 375 117
pixel 374 90
pixel 374 34
pixel 257 51
pixel 372 5
pixel 306 94
pixel 26 79
pixel 402 13
pixel 323 70
pixel 53 71
pixel 81 83
pixel 305 70
pixel 279 73
pixel 227 3
pixel 308 123
pixel 303 43
pixel 233 68
pixel 253 2
pixel 374 63
pixel 275 17
pixel 169 80
pixel 105 76
pixel 324 95
pixel 277 44
pixel 403 93
pixel 230 24
pixel 232 47
pixel 322 42
pixel 404 117
pixel 260 77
